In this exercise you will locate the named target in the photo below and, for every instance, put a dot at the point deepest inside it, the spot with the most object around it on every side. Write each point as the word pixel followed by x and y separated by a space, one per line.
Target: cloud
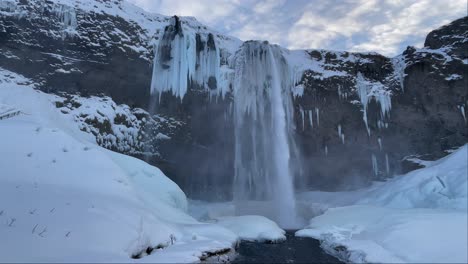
pixel 385 26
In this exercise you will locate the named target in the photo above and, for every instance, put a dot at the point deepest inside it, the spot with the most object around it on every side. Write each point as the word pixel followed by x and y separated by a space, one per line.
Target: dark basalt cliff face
pixel 426 117
pixel 108 55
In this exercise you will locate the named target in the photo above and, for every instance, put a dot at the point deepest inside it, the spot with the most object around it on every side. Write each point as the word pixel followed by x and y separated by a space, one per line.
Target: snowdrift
pixel 65 199
pixel 418 217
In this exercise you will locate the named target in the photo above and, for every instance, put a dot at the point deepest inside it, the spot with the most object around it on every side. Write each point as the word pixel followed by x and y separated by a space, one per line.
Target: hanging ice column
pixel 368 91
pixel 263 110
pixel 183 60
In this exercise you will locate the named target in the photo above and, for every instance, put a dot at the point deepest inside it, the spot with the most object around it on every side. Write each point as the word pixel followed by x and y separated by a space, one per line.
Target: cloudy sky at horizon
pixel 384 26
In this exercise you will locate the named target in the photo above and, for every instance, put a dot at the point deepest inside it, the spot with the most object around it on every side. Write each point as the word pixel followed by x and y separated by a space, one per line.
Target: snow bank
pixel 65 199
pixel 418 217
pixel 443 184
pixel 253 228
pixel 383 235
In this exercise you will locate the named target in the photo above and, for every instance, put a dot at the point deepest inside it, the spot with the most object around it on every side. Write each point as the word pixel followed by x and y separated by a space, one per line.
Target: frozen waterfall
pixel 263 108
pixel 184 58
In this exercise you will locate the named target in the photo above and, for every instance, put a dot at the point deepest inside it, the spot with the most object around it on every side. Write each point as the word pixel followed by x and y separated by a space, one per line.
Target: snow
pixel 421 162
pixel 385 235
pixel 253 228
pixel 65 199
pixel 454 77
pixel 418 217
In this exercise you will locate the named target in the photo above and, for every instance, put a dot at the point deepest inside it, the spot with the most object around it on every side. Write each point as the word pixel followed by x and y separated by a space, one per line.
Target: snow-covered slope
pixel 418 217
pixel 65 199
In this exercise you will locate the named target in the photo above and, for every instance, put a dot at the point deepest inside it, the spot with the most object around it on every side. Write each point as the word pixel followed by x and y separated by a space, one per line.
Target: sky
pixel 384 26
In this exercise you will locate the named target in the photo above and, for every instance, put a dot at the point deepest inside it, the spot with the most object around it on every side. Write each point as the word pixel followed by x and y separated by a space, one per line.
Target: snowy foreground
pixel 65 199
pixel 419 217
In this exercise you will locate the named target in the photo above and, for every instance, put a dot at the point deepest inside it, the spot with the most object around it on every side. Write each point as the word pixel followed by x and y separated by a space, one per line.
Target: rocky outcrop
pixel 428 90
pixel 357 116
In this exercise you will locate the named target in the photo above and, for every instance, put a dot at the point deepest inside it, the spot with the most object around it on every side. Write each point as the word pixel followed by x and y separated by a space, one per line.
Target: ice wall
pixel 183 59
pixel 263 124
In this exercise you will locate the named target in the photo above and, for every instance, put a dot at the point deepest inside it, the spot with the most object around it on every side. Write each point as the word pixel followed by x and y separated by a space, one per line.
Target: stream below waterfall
pixel 293 250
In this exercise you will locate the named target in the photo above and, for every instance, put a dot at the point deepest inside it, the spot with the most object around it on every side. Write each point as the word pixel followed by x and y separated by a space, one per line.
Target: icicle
pixel 380 143
pixel 462 110
pixel 362 92
pixel 318 116
pixel 387 165
pixel 340 134
pixel 67 15
pixel 375 167
pixel 303 119
pixel 373 90
pixel 326 151
pixel 380 124
pixel 311 123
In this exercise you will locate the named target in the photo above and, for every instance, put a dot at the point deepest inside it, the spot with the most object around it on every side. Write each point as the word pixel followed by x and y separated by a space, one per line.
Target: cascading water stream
pixel 262 99
pixel 261 82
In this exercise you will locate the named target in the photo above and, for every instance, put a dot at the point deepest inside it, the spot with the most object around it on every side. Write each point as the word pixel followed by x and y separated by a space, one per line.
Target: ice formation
pixel 184 58
pixel 303 119
pixel 263 108
pixel 317 112
pixel 375 166
pixel 462 110
pixel 399 66
pixel 67 16
pixel 368 91
pixel 310 119
pixel 387 165
pixel 9 6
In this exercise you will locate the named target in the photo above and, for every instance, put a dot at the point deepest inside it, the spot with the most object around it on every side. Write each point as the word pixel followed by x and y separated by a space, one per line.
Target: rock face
pixel 358 116
pixel 428 90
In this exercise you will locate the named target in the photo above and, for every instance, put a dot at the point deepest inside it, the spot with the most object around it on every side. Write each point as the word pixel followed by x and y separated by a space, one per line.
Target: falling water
pixel 262 120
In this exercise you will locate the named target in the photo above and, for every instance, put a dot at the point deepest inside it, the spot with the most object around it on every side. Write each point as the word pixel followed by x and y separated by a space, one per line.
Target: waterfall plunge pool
pixel 293 250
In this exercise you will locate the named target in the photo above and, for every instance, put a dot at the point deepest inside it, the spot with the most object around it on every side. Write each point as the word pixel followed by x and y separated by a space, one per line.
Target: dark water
pixel 293 250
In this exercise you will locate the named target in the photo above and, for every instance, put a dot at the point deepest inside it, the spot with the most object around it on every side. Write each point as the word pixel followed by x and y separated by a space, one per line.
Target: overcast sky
pixel 384 26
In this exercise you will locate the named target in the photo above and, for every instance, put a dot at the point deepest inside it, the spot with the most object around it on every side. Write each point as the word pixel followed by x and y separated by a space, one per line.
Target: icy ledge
pixel 253 228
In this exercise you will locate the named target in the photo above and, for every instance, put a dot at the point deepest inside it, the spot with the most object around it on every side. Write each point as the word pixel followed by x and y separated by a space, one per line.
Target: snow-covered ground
pixel 65 199
pixel 418 217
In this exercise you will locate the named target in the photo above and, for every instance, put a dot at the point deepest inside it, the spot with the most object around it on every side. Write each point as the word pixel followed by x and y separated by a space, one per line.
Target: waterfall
pixel 261 81
pixel 263 120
